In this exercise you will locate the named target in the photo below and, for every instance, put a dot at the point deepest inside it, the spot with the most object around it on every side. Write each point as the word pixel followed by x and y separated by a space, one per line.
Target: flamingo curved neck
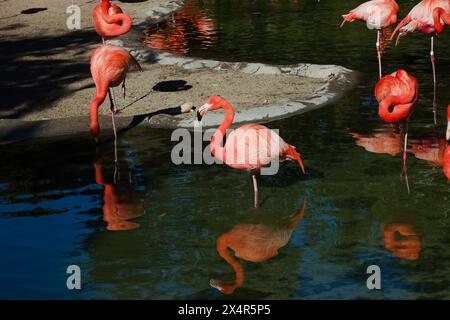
pixel 121 21
pixel 95 128
pixel 390 111
pixel 438 15
pixel 217 149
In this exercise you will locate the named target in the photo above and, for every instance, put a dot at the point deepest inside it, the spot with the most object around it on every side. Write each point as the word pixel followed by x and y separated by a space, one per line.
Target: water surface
pixel 148 229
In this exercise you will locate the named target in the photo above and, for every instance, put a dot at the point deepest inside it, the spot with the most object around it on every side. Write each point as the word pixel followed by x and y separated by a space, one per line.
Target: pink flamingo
pixel 250 147
pixel 397 94
pixel 109 66
pixel 110 21
pixel 377 14
pixel 421 18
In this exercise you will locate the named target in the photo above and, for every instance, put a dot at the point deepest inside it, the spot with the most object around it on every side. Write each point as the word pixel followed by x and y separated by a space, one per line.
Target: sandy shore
pixel 46 71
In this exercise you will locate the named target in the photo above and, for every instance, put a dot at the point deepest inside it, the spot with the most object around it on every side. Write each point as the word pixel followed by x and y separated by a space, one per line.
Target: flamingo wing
pixel 253 146
pixel 376 13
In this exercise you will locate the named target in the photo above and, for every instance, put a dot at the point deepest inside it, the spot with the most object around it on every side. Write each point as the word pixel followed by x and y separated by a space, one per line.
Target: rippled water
pixel 149 229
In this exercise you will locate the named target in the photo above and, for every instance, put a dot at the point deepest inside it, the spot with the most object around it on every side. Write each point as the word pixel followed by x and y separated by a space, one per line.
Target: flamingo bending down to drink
pixel 421 18
pixel 397 94
pixel 109 66
pixel 110 21
pixel 250 147
pixel 377 14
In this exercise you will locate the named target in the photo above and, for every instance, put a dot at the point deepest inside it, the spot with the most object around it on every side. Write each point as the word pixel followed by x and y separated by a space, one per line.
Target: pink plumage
pixel 420 18
pixel 250 147
pixel 109 66
pixel 376 13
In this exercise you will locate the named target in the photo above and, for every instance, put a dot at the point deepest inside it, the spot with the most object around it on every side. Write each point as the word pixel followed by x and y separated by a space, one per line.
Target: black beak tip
pixel 199 116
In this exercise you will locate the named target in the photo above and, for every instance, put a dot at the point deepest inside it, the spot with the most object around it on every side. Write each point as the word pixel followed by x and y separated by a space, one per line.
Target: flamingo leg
pixel 116 161
pixel 114 127
pixel 405 145
pixel 432 58
pixel 377 44
pixel 113 108
pixel 112 100
pixel 123 87
pixel 255 189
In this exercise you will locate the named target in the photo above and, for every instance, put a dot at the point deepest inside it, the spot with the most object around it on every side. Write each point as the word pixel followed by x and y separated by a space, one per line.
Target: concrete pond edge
pixel 338 81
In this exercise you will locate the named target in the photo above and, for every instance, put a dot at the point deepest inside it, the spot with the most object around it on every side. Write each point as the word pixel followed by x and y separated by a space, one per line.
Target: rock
pixel 251 68
pixel 268 70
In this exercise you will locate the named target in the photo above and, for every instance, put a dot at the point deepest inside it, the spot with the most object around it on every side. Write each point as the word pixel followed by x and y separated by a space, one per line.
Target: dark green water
pixel 53 210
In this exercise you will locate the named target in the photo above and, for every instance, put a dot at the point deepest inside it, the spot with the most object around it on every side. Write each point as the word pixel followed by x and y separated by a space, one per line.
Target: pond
pixel 149 229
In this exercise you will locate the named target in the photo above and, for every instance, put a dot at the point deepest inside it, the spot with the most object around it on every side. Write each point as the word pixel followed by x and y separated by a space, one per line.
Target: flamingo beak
pixel 300 162
pixel 202 111
pixel 448 131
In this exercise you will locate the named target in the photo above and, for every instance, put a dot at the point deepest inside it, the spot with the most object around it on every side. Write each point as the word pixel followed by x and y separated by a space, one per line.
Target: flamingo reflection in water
pixel 402 240
pixel 119 202
pixel 172 34
pixel 257 239
pixel 430 149
pixel 435 150
pixel 385 140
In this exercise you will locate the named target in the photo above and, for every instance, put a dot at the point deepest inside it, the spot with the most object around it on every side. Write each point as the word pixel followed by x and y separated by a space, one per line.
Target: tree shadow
pixel 35 73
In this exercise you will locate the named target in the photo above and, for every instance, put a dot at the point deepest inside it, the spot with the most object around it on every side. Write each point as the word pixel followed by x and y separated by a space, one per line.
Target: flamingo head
pixel 213 103
pixel 448 124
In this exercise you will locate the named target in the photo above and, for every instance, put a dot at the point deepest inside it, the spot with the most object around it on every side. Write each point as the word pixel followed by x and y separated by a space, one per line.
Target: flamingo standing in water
pixel 110 21
pixel 250 147
pixel 377 14
pixel 397 94
pixel 422 18
pixel 109 66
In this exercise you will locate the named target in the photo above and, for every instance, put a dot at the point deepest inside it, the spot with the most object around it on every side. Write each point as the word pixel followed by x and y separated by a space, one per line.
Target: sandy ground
pixel 46 69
